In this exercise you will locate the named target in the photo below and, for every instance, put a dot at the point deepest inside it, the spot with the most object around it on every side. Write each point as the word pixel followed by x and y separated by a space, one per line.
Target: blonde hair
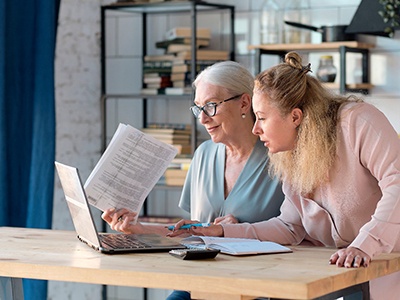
pixel 289 86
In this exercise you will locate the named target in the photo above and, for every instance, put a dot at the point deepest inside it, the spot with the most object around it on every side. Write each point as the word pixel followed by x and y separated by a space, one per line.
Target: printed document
pixel 128 170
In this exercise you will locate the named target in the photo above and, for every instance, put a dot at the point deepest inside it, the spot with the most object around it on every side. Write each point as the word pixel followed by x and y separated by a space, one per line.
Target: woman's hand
pixel 228 219
pixel 212 230
pixel 122 220
pixel 350 257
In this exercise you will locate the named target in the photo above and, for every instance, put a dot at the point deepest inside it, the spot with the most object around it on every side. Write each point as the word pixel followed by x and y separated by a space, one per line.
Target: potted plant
pixel 390 14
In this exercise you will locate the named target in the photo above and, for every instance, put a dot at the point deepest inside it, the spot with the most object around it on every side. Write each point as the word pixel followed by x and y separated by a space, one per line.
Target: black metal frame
pixel 194 7
pixel 343 50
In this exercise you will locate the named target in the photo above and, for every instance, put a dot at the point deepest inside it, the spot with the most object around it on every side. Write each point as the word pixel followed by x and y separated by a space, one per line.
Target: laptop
pixel 110 243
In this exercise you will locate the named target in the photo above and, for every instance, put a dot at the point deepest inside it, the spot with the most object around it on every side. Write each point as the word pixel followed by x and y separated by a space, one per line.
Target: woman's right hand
pixel 212 230
pixel 122 220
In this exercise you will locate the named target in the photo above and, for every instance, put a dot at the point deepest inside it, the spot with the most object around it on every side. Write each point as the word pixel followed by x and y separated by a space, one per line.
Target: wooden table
pixel 303 274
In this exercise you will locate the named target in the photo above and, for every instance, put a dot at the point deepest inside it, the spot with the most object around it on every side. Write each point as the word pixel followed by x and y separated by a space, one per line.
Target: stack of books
pixel 176 61
pixel 157 74
pixel 176 172
pixel 178 136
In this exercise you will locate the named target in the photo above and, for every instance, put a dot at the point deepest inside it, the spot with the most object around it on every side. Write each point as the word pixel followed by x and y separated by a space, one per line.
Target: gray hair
pixel 230 75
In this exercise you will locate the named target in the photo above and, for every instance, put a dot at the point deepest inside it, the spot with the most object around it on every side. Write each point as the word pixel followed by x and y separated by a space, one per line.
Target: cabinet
pixel 342 47
pixel 193 8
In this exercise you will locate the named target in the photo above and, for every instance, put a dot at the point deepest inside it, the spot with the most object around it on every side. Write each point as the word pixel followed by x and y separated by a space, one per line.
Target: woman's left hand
pixel 228 219
pixel 350 257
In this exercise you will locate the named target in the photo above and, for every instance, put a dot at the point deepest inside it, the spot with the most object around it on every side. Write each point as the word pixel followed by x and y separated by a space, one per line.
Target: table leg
pixel 11 288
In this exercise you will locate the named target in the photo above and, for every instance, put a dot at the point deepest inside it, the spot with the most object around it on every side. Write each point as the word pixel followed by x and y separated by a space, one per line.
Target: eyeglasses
pixel 210 108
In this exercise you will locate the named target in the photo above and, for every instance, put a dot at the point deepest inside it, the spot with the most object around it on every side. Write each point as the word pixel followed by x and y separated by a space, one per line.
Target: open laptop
pixel 110 243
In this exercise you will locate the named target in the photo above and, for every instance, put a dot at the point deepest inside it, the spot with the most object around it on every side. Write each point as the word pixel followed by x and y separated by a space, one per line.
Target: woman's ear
pixel 297 116
pixel 245 103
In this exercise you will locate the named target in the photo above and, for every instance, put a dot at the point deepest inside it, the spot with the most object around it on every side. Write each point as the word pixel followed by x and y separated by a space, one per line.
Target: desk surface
pixel 303 274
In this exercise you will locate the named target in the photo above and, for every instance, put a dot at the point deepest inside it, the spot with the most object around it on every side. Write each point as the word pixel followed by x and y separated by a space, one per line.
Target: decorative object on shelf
pixel 270 22
pixel 333 33
pixel 342 47
pixel 297 11
pixel 375 17
pixel 326 71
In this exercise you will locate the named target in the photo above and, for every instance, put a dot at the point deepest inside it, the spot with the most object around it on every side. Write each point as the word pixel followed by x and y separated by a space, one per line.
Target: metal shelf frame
pixel 342 47
pixel 170 7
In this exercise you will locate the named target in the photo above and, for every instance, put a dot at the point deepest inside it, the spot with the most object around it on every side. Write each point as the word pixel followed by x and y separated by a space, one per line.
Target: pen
pixel 186 226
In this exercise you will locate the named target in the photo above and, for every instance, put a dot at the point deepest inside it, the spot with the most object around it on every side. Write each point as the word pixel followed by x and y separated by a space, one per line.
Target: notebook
pixel 110 243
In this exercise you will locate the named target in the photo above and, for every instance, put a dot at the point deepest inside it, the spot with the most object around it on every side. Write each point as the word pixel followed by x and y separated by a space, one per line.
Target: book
pixel 235 246
pixel 175 177
pixel 183 68
pixel 175 48
pixel 162 57
pixel 200 42
pixel 180 162
pixel 153 91
pixel 180 84
pixel 158 85
pixel 177 173
pixel 159 66
pixel 205 54
pixel 178 90
pixel 181 126
pixel 159 219
pixel 181 76
pixel 170 136
pixel 171 181
pixel 178 131
pixel 178 32
pixel 128 170
pixel 158 79
pixel 183 148
pixel 173 140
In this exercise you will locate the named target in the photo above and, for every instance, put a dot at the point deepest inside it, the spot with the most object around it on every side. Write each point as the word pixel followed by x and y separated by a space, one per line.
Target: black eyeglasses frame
pixel 196 110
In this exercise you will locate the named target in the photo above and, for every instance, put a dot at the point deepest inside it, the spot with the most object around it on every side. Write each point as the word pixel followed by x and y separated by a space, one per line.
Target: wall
pixel 78 90
pixel 78 128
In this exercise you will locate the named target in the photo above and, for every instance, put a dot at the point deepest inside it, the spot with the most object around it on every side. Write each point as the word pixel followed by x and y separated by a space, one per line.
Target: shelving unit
pixel 144 9
pixel 342 47
pixel 193 7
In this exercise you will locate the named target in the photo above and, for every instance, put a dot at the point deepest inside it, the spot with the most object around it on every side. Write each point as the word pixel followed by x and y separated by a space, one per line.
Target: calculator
pixel 194 253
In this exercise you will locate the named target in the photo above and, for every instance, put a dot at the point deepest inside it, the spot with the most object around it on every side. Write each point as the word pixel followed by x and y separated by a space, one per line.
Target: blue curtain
pixel 27 118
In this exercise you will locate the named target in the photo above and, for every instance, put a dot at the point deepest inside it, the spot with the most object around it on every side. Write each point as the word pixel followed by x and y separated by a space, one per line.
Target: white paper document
pixel 235 246
pixel 128 170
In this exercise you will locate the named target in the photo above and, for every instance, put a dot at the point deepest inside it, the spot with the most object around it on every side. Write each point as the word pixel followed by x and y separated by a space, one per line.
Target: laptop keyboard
pixel 122 241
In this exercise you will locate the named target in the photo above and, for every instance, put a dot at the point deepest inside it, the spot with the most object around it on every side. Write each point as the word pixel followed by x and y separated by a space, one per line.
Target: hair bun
pixel 294 60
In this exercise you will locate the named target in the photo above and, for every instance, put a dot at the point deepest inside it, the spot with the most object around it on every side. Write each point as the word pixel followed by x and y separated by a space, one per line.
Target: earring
pixel 243 116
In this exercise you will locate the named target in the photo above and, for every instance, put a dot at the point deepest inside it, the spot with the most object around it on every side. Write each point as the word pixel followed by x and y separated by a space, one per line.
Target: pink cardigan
pixel 359 206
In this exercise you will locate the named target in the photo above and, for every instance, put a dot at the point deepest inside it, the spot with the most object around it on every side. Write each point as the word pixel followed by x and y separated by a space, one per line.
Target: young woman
pixel 338 159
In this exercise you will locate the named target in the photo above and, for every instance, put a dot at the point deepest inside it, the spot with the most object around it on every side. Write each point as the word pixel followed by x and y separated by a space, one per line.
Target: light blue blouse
pixel 254 197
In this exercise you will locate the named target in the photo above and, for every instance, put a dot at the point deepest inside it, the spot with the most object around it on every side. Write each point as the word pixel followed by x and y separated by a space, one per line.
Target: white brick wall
pixel 78 90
